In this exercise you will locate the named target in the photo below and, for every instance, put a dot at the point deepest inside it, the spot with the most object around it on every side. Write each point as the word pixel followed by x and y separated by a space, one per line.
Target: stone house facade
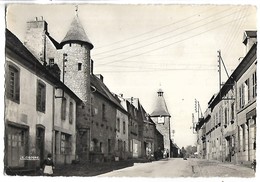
pixel 231 120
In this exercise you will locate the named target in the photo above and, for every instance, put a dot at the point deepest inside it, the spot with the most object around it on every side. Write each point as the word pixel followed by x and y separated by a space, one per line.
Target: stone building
pixel 106 110
pixel 230 119
pixel 37 120
pixel 122 123
pixel 246 93
pixel 135 140
pixel 161 118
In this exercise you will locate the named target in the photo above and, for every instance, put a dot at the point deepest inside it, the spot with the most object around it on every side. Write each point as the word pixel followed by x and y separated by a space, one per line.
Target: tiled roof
pixel 76 33
pixel 104 91
pixel 160 107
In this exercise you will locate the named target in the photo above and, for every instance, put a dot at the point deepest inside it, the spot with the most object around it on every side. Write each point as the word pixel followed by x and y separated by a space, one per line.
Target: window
pixel 65 147
pixel 51 62
pixel 109 145
pixel 13 83
pixel 254 82
pixel 233 111
pixel 79 66
pixel 63 108
pixel 101 147
pixel 118 124
pixel 103 112
pixel 41 96
pixel 124 147
pixel 124 127
pixel 71 113
pixel 226 116
pixel 247 91
pixel 241 96
pixel 220 115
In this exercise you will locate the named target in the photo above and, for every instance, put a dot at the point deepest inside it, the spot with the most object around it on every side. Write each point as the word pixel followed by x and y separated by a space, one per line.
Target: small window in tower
pixel 79 66
pixel 161 120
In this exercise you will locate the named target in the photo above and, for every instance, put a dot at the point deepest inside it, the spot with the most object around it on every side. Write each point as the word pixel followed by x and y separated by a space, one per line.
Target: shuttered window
pixel 13 83
pixel 41 96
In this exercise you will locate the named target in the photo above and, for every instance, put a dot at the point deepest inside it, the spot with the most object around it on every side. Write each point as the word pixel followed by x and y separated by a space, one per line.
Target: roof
pixel 160 107
pixel 249 33
pixel 17 47
pixel 247 61
pixel 55 43
pixel 76 33
pixel 102 89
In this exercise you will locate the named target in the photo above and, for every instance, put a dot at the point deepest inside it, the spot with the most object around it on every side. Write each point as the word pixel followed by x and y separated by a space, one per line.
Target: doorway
pixel 40 135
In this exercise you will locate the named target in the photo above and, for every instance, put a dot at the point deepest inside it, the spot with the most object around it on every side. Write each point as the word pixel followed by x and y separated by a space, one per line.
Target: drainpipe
pixel 236 122
pixel 53 131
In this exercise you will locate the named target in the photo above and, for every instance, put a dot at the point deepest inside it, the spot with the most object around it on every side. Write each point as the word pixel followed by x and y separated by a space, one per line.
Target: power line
pixel 170 43
pixel 167 38
pixel 141 41
pixel 153 70
pixel 139 35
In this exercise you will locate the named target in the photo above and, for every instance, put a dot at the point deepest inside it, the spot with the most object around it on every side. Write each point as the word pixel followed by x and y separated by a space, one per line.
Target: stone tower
pixel 161 118
pixel 76 55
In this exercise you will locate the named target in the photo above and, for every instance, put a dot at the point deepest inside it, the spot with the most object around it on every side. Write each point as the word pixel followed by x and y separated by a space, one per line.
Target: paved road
pixel 182 168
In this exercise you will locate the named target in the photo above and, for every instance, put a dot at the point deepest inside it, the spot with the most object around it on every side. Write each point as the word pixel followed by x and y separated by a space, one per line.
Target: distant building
pixel 161 118
pixel 122 140
pixel 135 126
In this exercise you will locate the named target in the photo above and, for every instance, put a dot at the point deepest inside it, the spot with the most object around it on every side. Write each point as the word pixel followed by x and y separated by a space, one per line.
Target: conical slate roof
pixel 160 106
pixel 76 33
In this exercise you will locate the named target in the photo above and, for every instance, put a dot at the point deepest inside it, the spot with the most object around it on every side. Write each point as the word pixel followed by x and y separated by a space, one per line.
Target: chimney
pixel 249 39
pixel 100 77
pixel 121 95
pixel 35 38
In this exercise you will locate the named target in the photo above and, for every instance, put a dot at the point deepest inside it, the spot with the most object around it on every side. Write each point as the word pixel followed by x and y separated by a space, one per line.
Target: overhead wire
pixel 169 44
pixel 153 30
pixel 154 42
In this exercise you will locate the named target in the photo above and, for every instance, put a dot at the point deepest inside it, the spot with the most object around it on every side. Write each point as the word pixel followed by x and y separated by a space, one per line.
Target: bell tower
pixel 161 118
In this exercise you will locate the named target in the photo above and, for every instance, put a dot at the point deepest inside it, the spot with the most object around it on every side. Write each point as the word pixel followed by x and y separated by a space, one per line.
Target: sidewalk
pixel 94 169
pixel 214 168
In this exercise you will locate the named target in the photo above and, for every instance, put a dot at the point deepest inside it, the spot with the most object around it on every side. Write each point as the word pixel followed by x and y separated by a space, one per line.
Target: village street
pixel 177 167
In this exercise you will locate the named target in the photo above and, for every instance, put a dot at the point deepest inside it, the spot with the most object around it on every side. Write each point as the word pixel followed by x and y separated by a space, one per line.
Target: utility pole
pixel 219 70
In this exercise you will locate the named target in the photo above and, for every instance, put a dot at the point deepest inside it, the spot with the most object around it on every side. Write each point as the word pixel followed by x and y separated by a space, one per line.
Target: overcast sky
pixel 140 48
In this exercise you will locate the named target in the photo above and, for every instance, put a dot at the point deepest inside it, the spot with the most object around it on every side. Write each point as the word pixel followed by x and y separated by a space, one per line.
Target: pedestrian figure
pixel 48 166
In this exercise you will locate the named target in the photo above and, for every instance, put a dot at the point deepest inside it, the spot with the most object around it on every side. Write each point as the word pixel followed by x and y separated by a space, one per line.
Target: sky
pixel 141 48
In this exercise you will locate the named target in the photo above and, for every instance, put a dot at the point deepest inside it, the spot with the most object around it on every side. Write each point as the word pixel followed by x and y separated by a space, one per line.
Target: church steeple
pixel 76 33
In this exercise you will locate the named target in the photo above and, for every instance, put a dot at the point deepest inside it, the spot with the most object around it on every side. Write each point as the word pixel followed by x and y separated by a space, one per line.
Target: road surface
pixel 177 167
